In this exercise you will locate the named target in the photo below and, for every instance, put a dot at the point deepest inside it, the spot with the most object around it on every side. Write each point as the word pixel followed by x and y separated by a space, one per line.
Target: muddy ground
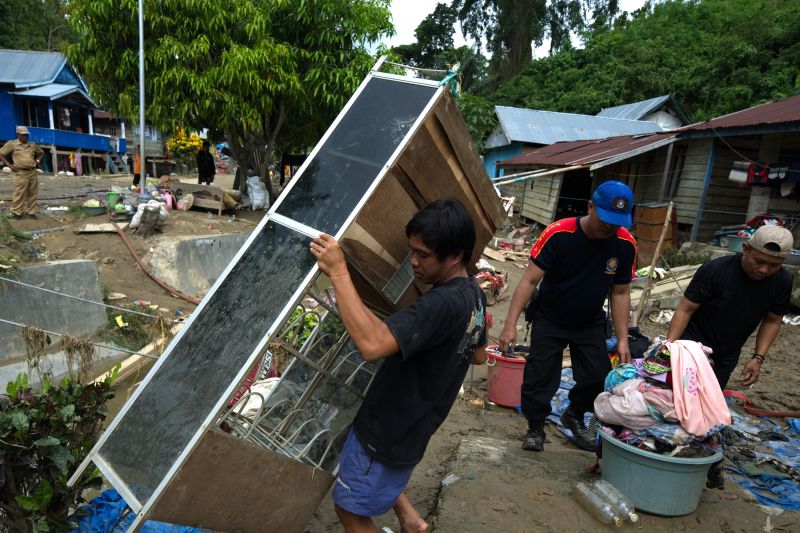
pixel 515 491
pixel 532 492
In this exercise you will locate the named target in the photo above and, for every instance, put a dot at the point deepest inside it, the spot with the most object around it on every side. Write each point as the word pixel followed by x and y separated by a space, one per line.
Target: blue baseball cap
pixel 613 201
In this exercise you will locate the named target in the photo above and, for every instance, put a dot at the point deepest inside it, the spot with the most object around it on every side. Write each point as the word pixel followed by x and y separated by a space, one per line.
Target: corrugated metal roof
pixel 780 112
pixel 636 110
pixel 52 91
pixel 548 127
pixel 586 152
pixel 24 69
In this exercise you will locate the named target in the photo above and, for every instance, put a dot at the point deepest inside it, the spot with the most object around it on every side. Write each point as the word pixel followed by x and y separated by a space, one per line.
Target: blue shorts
pixel 365 486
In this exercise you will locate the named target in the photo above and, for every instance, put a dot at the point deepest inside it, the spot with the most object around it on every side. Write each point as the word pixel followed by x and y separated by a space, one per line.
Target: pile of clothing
pixel 668 399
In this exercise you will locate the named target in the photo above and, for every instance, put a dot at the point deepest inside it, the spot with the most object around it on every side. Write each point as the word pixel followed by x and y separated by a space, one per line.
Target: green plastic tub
pixel 735 243
pixel 657 484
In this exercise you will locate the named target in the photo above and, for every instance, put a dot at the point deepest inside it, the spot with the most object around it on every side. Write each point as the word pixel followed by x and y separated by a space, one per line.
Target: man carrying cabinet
pixel 427 349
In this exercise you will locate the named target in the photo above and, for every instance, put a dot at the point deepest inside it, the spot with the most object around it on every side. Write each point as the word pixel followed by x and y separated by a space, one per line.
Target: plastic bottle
pixel 596 505
pixel 619 502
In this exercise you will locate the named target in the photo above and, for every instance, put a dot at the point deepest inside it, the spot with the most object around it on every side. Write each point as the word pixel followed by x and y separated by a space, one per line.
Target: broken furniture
pixel 206 196
pixel 180 451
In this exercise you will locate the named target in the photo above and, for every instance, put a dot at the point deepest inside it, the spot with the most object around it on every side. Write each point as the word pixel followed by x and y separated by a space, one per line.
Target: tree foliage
pixel 267 74
pixel 35 25
pixel 46 433
pixel 512 27
pixel 709 53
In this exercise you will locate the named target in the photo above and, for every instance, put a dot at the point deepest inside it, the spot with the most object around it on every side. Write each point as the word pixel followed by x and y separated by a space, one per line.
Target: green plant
pixel 675 257
pixel 45 434
pixel 298 330
pixel 133 336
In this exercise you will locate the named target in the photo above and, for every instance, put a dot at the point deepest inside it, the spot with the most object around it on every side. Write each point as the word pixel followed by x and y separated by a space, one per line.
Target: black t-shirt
pixel 579 271
pixel 415 388
pixel 732 305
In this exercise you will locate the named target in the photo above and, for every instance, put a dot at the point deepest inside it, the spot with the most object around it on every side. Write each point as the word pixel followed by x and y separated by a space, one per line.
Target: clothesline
pixel 23 284
pixel 17 324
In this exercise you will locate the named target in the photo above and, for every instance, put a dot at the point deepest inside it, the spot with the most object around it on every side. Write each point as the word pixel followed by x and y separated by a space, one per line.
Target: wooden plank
pixel 449 117
pixel 494 254
pixel 99 228
pixel 386 226
pixel 422 161
pixel 228 484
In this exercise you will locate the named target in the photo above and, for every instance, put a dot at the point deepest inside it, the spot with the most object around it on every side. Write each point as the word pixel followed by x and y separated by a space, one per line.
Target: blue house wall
pixel 501 153
pixel 7 117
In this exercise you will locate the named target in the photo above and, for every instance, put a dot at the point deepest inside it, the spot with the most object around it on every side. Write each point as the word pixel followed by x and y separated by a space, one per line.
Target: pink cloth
pixel 660 399
pixel 699 404
pixel 624 406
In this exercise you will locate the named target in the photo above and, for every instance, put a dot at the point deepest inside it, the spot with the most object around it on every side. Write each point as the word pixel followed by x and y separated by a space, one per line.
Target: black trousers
pixel 542 375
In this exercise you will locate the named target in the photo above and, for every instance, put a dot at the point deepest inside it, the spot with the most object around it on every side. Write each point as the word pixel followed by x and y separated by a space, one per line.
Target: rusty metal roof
pixel 587 152
pixel 780 112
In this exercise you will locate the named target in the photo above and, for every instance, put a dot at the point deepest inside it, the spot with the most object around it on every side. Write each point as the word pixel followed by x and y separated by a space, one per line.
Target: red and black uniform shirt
pixel 580 271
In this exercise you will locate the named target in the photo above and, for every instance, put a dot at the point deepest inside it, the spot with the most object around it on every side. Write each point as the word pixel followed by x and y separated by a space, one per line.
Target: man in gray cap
pixel 731 296
pixel 25 156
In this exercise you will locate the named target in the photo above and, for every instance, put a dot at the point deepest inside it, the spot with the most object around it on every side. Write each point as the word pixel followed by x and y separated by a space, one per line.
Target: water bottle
pixel 597 506
pixel 621 504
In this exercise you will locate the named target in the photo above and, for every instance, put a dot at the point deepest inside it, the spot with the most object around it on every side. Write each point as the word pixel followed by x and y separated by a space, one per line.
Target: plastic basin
pixel 735 243
pixel 657 484
pixel 505 377
pixel 94 211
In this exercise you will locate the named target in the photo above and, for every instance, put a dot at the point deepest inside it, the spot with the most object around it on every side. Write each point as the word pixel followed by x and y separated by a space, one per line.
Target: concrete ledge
pixel 192 265
pixel 48 311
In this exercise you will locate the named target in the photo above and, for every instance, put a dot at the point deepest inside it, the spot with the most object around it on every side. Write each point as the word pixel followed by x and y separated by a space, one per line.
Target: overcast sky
pixel 407 14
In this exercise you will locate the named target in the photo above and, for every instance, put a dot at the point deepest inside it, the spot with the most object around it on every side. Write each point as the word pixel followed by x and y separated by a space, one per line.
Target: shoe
pixel 534 440
pixel 584 437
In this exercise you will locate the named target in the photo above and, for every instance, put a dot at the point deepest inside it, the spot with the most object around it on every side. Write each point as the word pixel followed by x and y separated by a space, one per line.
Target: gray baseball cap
pixel 22 130
pixel 772 240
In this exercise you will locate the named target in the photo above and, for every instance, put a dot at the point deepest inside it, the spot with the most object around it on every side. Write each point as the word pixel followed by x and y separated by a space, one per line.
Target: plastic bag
pixel 257 193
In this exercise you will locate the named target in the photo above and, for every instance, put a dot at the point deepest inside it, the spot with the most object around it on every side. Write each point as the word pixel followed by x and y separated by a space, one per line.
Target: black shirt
pixel 415 388
pixel 732 305
pixel 579 271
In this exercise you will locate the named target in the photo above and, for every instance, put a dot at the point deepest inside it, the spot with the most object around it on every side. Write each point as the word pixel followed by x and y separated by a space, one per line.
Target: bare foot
pixel 413 525
pixel 410 519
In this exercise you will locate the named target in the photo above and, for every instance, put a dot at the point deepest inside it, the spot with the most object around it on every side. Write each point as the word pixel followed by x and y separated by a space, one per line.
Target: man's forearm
pixel 367 331
pixel 680 319
pixel 620 313
pixel 522 294
pixel 767 332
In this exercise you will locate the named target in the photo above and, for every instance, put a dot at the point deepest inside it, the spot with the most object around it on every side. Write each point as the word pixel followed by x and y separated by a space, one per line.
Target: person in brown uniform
pixel 25 155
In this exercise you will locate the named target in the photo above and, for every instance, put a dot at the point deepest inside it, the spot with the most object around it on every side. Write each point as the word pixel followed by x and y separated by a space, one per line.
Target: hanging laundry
pixel 758 174
pixel 793 174
pixel 739 172
pixel 699 403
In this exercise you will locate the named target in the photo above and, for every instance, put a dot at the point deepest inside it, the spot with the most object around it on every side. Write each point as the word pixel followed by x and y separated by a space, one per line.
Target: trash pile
pixel 492 281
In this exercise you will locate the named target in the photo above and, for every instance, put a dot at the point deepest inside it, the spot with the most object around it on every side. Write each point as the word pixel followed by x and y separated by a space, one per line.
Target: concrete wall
pixel 49 311
pixel 192 265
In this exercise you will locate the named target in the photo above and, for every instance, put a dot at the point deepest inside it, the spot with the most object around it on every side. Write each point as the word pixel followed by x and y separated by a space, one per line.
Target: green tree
pixel 709 53
pixel 512 27
pixel 434 49
pixel 267 75
pixel 35 25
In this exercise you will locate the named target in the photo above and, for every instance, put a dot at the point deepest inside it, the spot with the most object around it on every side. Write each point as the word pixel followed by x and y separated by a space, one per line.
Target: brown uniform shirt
pixel 24 155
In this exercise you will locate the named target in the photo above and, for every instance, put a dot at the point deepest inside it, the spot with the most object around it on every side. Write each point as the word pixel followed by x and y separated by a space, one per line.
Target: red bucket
pixel 505 375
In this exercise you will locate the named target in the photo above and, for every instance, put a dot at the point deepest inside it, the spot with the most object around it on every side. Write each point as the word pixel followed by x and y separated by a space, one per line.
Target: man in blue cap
pixel 579 261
